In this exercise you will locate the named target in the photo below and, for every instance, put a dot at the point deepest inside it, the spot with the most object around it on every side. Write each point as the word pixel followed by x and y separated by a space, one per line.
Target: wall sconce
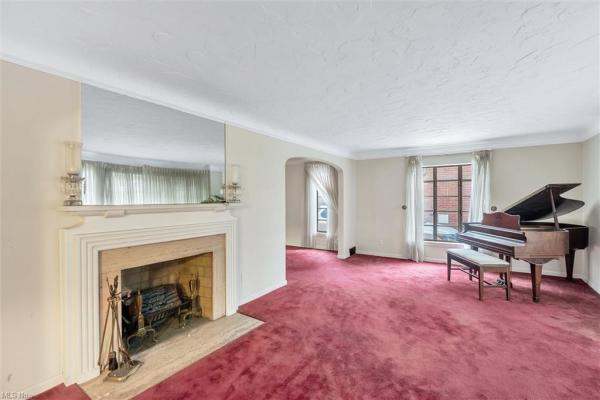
pixel 73 182
pixel 233 187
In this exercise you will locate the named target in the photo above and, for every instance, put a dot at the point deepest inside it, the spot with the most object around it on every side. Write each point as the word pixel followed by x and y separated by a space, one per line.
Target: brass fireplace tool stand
pixel 195 309
pixel 119 362
pixel 142 330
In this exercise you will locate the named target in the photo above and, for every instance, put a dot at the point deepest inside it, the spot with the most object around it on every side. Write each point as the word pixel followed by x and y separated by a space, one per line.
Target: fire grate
pixel 158 304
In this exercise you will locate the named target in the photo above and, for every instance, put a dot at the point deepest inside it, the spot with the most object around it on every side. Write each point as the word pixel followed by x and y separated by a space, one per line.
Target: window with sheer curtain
pixel 322 214
pixel 322 203
pixel 108 184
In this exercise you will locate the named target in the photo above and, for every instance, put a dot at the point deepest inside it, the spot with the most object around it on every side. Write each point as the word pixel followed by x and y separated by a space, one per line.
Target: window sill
pixel 433 243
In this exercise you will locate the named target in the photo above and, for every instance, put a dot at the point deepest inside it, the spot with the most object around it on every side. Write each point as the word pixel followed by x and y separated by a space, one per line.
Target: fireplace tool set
pixel 152 306
pixel 195 310
pixel 142 329
pixel 119 362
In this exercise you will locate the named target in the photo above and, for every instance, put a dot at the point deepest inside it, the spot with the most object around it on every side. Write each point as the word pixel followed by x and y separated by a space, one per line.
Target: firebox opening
pixel 165 299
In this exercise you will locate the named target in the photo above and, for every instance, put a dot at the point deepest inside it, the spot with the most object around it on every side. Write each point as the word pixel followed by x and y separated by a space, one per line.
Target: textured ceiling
pixel 116 128
pixel 364 80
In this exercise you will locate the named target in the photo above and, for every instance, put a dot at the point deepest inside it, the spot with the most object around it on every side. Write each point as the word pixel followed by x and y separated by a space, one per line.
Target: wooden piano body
pixel 515 233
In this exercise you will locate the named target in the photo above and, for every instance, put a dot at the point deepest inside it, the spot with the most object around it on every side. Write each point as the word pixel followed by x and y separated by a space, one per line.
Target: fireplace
pixel 171 283
pixel 145 251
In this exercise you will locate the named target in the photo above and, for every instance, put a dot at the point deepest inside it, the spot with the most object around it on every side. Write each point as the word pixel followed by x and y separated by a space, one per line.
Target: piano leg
pixel 536 281
pixel 507 258
pixel 569 261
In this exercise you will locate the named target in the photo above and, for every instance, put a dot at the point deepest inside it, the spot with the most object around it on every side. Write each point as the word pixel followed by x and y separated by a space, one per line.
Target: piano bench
pixel 476 264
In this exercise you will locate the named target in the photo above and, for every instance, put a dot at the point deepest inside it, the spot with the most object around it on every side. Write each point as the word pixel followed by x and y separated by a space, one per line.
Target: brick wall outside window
pixel 447 191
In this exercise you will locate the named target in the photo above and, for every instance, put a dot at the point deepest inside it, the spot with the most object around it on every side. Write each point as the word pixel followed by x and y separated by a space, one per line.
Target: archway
pixel 325 229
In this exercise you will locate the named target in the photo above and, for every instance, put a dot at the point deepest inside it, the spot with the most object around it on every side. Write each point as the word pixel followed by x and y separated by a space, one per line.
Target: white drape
pixel 108 183
pixel 324 179
pixel 310 229
pixel 480 185
pixel 414 209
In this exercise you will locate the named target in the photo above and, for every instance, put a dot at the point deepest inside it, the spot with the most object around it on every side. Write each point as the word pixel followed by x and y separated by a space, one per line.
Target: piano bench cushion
pixel 481 259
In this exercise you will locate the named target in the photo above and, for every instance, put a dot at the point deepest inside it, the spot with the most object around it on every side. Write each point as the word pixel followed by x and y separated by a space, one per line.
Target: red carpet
pixel 378 328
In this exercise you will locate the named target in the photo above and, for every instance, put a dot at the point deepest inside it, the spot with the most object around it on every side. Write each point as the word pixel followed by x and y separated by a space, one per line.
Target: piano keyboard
pixel 503 241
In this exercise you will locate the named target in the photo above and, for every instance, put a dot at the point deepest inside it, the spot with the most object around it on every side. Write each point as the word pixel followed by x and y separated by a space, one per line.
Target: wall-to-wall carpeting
pixel 379 328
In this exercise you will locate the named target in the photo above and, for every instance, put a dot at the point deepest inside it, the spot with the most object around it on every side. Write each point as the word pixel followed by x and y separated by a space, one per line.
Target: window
pixel 447 195
pixel 322 214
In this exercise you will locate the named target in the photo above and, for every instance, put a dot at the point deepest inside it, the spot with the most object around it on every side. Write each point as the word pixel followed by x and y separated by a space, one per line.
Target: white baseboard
pixel 435 260
pixel 516 268
pixel 548 272
pixel 343 254
pixel 254 296
pixel 42 386
pixel 596 289
pixel 400 256
pixel 438 260
pixel 381 254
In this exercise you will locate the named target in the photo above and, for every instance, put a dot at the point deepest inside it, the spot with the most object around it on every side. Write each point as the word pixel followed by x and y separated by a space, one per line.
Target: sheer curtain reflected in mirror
pixel 137 152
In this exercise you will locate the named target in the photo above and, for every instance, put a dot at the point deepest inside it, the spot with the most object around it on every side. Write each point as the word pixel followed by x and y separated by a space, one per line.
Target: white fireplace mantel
pixel 80 247
pixel 130 209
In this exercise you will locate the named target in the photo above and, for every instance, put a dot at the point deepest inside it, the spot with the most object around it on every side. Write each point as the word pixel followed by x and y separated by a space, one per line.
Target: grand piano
pixel 516 232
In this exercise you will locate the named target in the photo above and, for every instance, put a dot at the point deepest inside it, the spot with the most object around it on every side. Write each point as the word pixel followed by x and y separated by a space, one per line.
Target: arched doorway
pixel 314 204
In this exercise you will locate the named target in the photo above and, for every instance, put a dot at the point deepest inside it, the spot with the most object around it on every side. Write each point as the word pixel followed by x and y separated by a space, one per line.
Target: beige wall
pixel 39 112
pixel 519 171
pixel 591 215
pixel 516 172
pixel 262 230
pixel 295 203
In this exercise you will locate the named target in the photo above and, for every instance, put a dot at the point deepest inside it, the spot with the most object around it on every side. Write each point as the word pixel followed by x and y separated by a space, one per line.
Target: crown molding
pixel 171 101
pixel 539 139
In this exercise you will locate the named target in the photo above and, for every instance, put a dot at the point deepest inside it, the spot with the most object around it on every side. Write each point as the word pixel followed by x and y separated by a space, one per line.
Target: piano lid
pixel 538 205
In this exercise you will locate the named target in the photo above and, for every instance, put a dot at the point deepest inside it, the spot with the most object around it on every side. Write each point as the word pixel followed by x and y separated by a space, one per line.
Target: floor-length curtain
pixel 310 229
pixel 108 183
pixel 480 185
pixel 324 179
pixel 414 209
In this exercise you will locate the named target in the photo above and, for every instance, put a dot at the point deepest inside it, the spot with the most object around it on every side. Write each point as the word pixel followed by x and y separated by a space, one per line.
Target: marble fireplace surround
pixel 80 248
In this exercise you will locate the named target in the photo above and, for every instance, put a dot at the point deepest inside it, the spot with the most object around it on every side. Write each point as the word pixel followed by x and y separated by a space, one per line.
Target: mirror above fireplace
pixel 136 152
